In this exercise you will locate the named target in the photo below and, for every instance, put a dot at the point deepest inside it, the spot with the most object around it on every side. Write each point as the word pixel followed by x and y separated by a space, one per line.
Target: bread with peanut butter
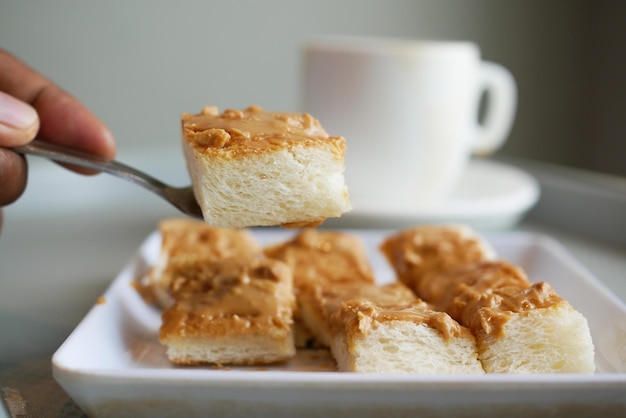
pixel 320 257
pixel 386 329
pixel 318 301
pixel 371 337
pixel 254 168
pixel 230 312
pixel 520 327
pixel 368 327
pixel 187 242
pixel 428 249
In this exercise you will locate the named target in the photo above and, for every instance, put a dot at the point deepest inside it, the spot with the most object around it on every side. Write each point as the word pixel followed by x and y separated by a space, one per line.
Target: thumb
pixel 19 121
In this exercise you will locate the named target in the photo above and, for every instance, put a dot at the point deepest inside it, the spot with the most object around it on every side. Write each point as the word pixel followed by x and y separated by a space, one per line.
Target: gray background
pixel 139 64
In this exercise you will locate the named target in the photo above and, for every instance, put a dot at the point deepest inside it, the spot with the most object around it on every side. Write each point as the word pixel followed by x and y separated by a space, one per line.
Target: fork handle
pixel 68 155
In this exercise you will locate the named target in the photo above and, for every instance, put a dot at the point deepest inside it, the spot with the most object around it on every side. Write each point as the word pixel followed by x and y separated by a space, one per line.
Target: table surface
pixel 54 267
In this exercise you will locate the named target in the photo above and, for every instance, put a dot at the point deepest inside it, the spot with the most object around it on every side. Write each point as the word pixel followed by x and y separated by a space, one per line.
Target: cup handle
pixel 499 85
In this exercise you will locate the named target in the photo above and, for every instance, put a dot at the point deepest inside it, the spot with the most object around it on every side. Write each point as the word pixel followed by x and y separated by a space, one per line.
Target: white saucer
pixel 491 195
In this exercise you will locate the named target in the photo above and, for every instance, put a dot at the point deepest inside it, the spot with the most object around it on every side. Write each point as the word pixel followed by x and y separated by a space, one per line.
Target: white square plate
pixel 112 365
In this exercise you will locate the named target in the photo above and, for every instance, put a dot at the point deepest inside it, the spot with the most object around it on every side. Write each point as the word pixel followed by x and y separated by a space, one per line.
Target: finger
pixel 18 121
pixel 63 119
pixel 13 173
pixel 66 121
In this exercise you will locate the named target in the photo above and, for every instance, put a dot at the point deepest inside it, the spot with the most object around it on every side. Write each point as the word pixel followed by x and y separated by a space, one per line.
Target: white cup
pixel 409 110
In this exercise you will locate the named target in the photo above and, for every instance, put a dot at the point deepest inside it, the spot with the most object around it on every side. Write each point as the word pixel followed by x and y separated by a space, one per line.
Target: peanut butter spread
pixel 360 316
pixel 442 289
pixel 431 248
pixel 328 298
pixel 451 269
pixel 253 129
pixel 230 298
pixel 357 307
pixel 324 256
pixel 484 295
pixel 199 239
pixel 183 242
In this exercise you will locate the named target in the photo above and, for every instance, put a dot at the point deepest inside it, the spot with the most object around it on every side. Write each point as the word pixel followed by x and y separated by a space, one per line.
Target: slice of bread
pixel 320 257
pixel 254 168
pixel 377 338
pixel 386 329
pixel 230 312
pixel 185 242
pixel 555 339
pixel 520 327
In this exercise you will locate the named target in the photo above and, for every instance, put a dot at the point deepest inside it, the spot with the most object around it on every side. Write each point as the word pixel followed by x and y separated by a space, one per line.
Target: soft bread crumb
pixel 406 347
pixel 550 340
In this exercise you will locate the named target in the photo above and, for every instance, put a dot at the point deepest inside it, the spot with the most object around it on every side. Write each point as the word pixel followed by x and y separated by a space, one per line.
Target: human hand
pixel 31 105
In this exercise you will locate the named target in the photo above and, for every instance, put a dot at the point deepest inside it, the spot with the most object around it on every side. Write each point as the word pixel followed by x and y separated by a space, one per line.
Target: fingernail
pixel 15 113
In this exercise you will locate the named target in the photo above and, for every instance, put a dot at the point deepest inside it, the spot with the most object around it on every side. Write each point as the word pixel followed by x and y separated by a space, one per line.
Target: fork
pixel 181 197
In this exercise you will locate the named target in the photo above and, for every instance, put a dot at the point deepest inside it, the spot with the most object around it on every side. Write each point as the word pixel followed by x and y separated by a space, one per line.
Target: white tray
pixel 112 364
